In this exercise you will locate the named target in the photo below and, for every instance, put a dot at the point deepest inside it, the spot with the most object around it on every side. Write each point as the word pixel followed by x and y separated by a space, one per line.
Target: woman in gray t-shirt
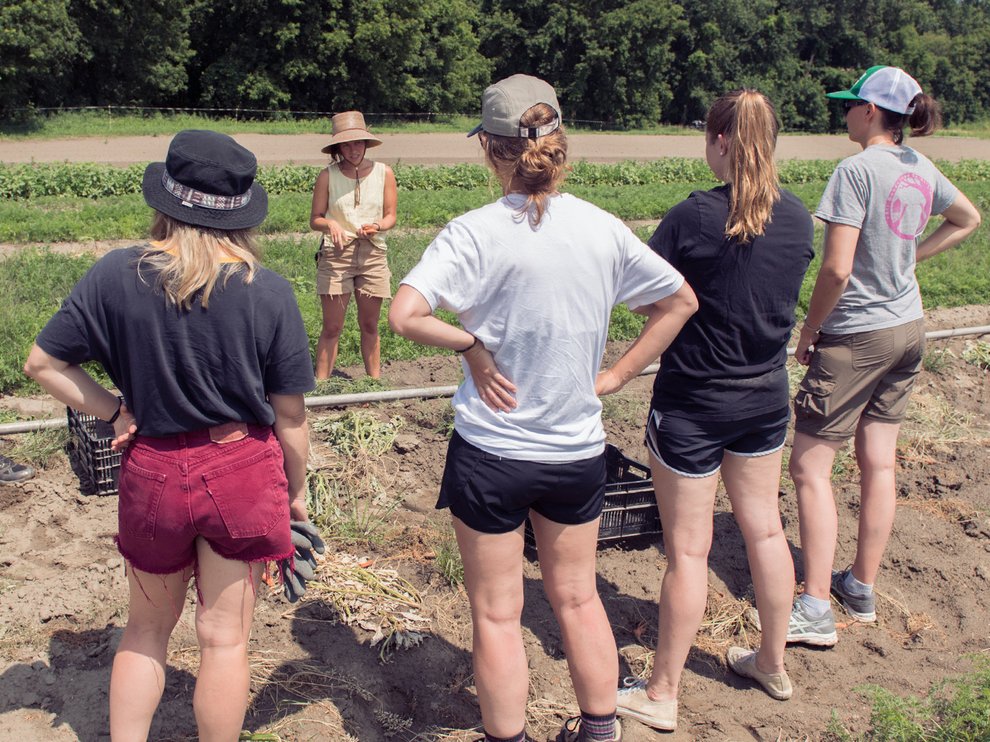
pixel 863 338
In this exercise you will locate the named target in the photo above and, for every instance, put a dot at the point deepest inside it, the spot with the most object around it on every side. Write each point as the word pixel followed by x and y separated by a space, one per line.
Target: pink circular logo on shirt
pixel 909 205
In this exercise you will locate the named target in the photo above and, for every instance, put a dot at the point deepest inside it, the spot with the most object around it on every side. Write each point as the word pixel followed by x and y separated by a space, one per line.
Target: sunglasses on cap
pixel 851 104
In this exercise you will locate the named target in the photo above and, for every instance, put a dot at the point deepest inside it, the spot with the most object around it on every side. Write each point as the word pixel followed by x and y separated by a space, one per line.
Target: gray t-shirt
pixel 888 192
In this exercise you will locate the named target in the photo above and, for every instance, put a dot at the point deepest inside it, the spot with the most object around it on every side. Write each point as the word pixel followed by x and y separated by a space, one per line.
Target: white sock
pixel 855 587
pixel 815 607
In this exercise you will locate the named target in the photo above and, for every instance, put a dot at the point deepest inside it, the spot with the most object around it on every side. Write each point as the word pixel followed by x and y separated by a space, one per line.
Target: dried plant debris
pixel 375 599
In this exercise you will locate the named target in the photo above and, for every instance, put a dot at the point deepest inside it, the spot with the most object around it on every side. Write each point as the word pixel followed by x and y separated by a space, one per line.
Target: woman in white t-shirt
pixel 533 278
pixel 863 337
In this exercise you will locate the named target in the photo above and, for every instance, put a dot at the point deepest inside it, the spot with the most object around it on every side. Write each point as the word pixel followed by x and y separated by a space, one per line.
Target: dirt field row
pixel 436 149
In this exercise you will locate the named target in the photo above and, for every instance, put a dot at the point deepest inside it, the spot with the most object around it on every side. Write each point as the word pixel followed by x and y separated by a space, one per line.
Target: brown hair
pixel 191 259
pixel 926 118
pixel 747 120
pixel 535 167
pixel 335 150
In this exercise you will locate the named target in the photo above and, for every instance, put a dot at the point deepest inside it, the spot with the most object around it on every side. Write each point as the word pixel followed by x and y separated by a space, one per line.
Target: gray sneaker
pixel 861 607
pixel 802 629
pixel 11 471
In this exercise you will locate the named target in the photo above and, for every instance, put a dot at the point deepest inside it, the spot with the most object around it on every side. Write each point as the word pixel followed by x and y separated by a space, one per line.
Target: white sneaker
pixel 803 629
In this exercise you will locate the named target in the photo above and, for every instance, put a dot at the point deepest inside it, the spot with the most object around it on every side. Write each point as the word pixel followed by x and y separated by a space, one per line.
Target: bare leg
pixel 138 676
pixel 876 449
pixel 811 470
pixel 493 578
pixel 223 625
pixel 334 310
pixel 752 484
pixel 686 510
pixel 369 313
pixel 567 560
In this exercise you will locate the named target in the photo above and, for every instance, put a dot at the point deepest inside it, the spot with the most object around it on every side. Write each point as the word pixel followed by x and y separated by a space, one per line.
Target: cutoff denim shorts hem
pixel 233 494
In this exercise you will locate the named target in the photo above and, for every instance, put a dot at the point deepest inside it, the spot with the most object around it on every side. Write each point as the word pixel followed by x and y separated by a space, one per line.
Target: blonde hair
pixel 536 167
pixel 747 120
pixel 190 259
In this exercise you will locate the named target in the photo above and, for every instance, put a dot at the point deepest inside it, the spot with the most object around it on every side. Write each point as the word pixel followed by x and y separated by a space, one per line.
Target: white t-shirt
pixel 540 300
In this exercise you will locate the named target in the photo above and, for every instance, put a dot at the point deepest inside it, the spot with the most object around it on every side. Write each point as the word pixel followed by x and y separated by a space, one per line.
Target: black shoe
pixel 12 472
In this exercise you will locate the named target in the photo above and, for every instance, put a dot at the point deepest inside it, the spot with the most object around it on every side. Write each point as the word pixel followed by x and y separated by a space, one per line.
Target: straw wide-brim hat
pixel 207 180
pixel 349 127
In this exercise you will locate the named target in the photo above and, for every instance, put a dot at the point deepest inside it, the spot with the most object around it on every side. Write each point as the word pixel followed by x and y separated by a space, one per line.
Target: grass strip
pixel 34 282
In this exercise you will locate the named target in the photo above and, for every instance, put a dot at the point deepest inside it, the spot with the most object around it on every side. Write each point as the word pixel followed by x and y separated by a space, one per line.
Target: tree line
pixel 624 63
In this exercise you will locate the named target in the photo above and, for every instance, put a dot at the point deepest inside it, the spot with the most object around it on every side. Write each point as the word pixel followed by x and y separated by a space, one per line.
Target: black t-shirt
pixel 185 370
pixel 728 361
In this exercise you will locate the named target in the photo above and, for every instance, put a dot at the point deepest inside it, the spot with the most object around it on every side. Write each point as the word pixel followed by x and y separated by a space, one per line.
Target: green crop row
pixel 88 180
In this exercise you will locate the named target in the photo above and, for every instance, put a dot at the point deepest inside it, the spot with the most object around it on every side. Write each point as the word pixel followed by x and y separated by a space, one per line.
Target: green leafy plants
pixel 977 352
pixel 448 563
pixel 351 485
pixel 954 710
pixel 937 360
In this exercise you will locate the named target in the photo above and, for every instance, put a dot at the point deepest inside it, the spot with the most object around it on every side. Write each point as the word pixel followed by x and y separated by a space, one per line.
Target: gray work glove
pixel 306 539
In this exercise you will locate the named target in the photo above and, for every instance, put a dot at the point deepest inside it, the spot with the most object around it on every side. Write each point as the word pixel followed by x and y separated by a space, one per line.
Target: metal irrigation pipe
pixel 427 392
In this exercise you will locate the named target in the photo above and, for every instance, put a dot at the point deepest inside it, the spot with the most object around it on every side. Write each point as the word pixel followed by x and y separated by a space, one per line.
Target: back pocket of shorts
pixel 872 349
pixel 140 494
pixel 246 496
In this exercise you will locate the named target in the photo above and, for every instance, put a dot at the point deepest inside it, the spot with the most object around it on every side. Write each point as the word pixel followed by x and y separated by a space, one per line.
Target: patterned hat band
pixel 191 197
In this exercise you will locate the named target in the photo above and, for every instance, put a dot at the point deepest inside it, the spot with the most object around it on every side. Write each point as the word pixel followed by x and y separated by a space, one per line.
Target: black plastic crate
pixel 630 507
pixel 94 462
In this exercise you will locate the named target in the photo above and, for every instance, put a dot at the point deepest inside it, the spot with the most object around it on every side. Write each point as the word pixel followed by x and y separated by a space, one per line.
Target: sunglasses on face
pixel 851 104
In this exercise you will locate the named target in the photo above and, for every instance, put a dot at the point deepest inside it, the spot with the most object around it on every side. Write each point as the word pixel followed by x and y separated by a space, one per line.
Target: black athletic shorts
pixel 492 494
pixel 694 448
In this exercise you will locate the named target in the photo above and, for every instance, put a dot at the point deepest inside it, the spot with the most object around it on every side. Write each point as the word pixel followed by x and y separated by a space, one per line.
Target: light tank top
pixel 341 208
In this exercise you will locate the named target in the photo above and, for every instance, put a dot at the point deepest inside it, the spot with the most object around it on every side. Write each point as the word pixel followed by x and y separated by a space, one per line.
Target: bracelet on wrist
pixel 378 226
pixel 113 418
pixel 473 343
pixel 816 330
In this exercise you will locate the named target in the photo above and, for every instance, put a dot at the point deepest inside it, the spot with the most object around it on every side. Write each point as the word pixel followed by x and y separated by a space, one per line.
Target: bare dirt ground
pixel 316 677
pixel 435 149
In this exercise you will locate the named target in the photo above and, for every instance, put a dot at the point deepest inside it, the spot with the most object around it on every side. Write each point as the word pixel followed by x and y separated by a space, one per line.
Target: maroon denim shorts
pixel 225 484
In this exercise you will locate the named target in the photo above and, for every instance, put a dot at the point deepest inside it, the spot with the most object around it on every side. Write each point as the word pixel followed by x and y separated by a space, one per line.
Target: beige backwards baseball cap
pixel 504 103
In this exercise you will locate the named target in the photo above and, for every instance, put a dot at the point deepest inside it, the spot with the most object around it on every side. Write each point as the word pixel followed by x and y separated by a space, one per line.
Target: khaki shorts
pixel 358 265
pixel 865 374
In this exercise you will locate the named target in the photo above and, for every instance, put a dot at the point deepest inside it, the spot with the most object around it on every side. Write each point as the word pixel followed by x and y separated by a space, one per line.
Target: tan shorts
pixel 358 265
pixel 866 374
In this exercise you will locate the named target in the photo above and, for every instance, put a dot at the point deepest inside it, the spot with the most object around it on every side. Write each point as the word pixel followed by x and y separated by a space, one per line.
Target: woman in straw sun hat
pixel 210 353
pixel 533 278
pixel 354 203
pixel 863 336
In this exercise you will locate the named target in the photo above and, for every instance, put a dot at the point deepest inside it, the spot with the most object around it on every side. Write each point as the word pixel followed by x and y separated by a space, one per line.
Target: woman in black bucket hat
pixel 210 353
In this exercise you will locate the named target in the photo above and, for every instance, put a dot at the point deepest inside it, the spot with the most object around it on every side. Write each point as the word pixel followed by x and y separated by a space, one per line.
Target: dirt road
pixel 455 148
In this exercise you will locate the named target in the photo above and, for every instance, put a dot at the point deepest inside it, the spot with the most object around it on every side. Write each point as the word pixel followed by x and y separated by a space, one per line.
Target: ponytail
pixel 925 120
pixel 747 120
pixel 536 167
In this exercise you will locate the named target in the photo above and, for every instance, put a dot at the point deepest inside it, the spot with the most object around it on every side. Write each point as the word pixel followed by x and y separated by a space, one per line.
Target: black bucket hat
pixel 207 180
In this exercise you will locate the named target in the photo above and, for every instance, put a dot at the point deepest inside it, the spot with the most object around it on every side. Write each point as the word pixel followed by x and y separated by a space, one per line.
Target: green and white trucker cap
pixel 888 87
pixel 505 102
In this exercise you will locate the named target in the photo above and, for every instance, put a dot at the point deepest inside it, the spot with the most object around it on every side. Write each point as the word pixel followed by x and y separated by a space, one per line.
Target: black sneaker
pixel 13 472
pixel 861 607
